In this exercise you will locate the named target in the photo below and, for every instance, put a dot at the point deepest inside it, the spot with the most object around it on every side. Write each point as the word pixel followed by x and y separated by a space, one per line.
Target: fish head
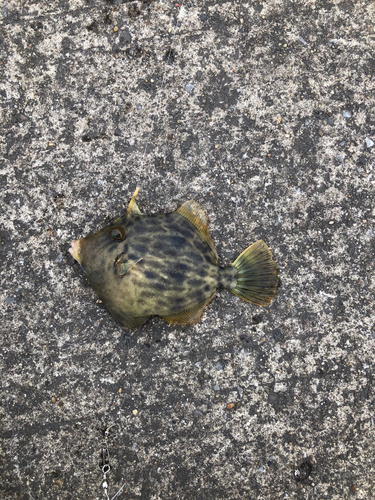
pixel 99 253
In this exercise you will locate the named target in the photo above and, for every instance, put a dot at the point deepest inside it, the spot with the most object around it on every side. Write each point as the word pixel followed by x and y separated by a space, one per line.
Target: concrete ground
pixel 264 112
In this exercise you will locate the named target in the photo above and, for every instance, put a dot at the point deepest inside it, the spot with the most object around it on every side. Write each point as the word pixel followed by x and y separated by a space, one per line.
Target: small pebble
pixel 362 160
pixel 302 40
pixel 246 342
pixel 340 158
pixel 303 471
pixel 197 413
pixel 189 87
pixel 369 142
pixel 230 406
pixel 135 412
pixel 346 114
pixel 258 317
pixel 219 367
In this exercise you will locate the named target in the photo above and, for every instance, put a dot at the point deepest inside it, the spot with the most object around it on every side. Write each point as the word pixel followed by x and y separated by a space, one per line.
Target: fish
pixel 167 265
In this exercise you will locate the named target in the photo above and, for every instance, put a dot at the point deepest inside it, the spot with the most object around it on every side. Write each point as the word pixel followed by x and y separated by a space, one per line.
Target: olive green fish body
pixel 166 265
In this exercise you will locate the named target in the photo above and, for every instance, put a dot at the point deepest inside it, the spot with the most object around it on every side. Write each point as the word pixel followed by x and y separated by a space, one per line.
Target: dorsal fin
pixel 133 207
pixel 196 214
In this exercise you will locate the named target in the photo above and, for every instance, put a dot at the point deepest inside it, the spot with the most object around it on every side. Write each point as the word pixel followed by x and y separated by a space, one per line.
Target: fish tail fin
pixel 257 277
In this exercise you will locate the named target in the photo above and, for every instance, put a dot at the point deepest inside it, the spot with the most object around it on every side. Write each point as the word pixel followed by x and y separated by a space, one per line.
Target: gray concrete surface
pixel 263 111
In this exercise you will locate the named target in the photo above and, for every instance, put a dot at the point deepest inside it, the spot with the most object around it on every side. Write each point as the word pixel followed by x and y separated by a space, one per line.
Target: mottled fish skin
pixel 175 268
pixel 165 265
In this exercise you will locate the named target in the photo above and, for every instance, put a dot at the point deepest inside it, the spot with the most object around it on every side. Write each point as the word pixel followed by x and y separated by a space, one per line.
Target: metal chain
pixel 105 469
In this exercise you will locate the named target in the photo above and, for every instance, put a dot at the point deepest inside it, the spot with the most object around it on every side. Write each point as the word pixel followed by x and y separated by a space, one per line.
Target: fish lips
pixel 74 250
pixel 95 276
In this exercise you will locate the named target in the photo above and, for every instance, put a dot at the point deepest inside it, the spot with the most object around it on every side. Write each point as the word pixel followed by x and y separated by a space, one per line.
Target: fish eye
pixel 118 233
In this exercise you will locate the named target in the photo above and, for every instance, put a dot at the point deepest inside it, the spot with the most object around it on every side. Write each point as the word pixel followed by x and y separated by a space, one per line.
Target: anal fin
pixel 189 316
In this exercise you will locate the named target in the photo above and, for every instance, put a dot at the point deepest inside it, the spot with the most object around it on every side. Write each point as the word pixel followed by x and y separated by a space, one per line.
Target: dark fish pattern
pixel 167 265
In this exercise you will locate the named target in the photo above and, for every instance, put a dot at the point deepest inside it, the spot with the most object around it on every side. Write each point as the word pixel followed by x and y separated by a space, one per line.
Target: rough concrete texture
pixel 263 111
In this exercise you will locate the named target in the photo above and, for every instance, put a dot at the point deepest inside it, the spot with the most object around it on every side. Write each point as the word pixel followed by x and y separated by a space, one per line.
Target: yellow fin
pixel 133 207
pixel 196 214
pixel 189 316
pixel 257 277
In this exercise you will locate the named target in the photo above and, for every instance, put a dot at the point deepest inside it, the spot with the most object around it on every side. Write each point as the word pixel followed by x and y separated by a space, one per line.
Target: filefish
pixel 166 265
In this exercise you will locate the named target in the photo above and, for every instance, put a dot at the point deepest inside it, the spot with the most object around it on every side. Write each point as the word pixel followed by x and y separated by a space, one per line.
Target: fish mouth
pixel 74 250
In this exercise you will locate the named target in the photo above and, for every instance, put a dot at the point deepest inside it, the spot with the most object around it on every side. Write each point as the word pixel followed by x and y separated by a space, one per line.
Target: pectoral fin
pixel 123 265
